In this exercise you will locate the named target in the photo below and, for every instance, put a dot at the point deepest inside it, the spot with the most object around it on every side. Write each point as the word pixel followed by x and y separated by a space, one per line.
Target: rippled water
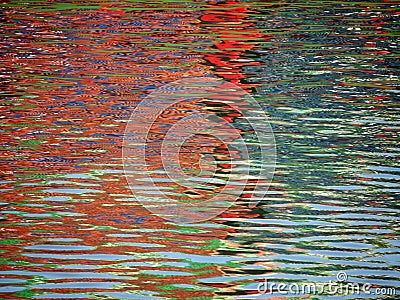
pixel 72 73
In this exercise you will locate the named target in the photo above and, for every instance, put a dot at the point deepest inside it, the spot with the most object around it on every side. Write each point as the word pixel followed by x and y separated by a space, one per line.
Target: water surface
pixel 72 73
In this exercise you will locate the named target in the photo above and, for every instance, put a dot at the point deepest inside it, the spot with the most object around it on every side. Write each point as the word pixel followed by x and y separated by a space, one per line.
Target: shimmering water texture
pixel 324 72
pixel 195 146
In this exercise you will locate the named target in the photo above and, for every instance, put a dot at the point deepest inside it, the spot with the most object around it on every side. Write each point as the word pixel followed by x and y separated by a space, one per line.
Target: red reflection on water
pixel 231 23
pixel 74 76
